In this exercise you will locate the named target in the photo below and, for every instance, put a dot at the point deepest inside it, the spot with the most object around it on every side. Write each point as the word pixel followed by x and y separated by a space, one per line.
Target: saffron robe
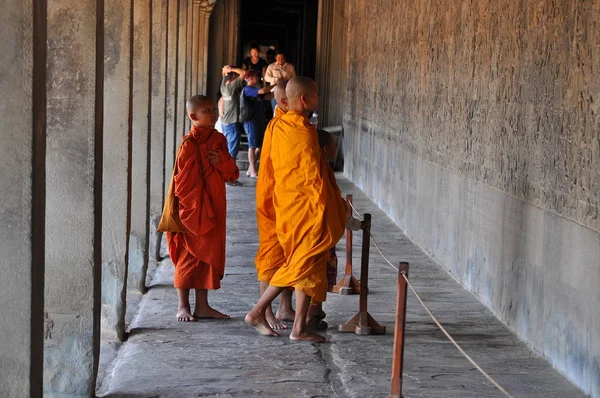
pixel 199 256
pixel 310 213
pixel 270 255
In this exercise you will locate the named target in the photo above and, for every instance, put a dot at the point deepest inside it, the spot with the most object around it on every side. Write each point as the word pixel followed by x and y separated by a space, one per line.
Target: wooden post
pixel 398 356
pixel 363 323
pixel 348 284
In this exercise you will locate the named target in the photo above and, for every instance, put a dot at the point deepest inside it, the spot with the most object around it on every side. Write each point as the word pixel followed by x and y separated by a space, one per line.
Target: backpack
pixel 246 109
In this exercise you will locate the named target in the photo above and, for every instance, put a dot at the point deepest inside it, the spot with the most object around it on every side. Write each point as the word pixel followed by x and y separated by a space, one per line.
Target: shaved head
pixel 193 103
pixel 302 94
pixel 280 95
pixel 202 111
pixel 299 86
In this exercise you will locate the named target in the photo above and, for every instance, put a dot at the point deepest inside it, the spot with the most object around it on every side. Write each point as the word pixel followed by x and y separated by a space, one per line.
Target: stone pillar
pixel 116 190
pixel 324 39
pixel 140 193
pixel 157 120
pixel 182 62
pixel 73 197
pixel 171 89
pixel 205 12
pixel 22 183
pixel 330 63
pixel 223 42
pixel 189 50
pixel 195 46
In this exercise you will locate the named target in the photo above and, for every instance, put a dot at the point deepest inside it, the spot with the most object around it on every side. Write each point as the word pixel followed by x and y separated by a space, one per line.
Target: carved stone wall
pixel 476 126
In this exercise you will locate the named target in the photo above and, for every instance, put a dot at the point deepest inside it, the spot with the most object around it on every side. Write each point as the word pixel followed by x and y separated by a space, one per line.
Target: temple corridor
pixel 469 129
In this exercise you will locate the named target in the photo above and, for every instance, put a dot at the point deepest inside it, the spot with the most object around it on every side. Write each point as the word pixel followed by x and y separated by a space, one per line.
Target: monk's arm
pixel 227 167
pixel 188 188
pixel 310 178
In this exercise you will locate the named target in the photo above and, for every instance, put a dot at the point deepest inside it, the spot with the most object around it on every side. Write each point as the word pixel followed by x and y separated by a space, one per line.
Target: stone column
pixel 324 39
pixel 330 61
pixel 73 197
pixel 157 120
pixel 22 183
pixel 116 190
pixel 205 12
pixel 189 50
pixel 140 193
pixel 171 89
pixel 223 41
pixel 196 18
pixel 180 113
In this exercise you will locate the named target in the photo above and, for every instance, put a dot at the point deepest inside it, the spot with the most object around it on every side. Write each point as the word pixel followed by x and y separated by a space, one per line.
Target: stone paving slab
pixel 164 358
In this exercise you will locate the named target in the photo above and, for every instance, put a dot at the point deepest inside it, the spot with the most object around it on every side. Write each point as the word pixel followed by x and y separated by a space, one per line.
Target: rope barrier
pixel 439 325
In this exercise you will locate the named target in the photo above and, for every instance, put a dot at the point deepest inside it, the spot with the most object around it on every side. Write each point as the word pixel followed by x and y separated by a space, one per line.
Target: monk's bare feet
pixel 261 325
pixel 184 315
pixel 209 313
pixel 307 335
pixel 287 316
pixel 275 323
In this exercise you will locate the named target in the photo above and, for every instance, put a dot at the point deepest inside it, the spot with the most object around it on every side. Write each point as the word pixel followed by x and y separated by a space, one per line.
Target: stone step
pixel 243 156
pixel 242 165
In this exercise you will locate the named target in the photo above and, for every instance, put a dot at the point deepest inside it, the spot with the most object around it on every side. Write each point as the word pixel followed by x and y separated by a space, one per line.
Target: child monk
pixel 309 211
pixel 270 256
pixel 203 165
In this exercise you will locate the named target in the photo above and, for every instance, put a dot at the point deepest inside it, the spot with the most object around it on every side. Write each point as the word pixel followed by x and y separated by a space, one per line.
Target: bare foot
pixel 209 313
pixel 308 335
pixel 275 323
pixel 184 315
pixel 260 324
pixel 287 316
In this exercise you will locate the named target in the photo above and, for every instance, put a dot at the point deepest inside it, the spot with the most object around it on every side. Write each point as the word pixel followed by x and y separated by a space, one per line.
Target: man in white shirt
pixel 280 69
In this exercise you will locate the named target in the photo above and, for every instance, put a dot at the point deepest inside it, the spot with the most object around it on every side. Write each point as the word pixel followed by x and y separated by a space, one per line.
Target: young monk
pixel 270 256
pixel 203 166
pixel 309 211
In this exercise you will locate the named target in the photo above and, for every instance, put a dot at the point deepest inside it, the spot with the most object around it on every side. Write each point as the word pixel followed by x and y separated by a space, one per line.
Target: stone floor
pixel 164 358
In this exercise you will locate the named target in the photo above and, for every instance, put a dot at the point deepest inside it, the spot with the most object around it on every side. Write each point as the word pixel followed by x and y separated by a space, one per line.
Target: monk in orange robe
pixel 309 210
pixel 203 166
pixel 270 256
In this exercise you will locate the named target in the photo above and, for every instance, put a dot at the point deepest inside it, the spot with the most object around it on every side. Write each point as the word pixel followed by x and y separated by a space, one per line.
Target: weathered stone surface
pixel 140 202
pixel 21 323
pixel 181 117
pixel 224 41
pixel 499 92
pixel 164 358
pixel 116 165
pixel 475 126
pixel 71 295
pixel 157 119
pixel 173 103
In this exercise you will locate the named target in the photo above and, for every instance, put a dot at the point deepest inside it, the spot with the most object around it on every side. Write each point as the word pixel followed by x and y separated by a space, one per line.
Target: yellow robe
pixel 309 209
pixel 270 254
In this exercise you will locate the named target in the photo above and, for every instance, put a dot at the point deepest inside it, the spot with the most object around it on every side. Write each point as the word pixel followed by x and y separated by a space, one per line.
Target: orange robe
pixel 199 256
pixel 309 210
pixel 270 255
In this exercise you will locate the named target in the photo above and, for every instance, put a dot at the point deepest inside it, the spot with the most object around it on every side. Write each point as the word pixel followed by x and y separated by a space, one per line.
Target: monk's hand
pixel 214 157
pixel 354 224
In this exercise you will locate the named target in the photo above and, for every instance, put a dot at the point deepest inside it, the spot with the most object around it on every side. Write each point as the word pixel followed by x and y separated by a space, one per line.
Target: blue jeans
pixel 251 131
pixel 233 133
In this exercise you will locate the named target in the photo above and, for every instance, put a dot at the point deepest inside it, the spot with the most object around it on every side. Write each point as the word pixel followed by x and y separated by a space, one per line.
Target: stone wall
pixel 476 127
pixel 22 156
